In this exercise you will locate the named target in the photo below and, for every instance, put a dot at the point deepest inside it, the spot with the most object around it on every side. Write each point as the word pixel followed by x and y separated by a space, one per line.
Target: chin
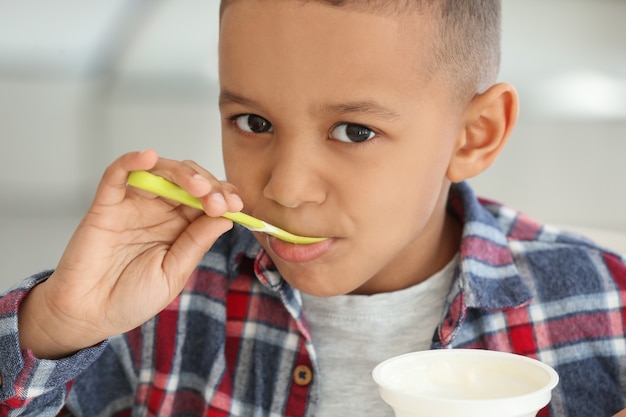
pixel 309 284
pixel 319 287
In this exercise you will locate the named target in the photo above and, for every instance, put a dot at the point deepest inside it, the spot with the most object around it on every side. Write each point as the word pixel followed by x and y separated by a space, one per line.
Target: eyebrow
pixel 227 97
pixel 369 108
pixel 365 107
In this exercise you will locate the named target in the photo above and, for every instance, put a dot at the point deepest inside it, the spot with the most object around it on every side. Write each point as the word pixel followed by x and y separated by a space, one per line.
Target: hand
pixel 128 259
pixel 621 413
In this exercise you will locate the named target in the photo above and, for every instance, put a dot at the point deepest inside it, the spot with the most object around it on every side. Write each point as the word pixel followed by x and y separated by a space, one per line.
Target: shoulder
pixel 558 262
pixel 551 261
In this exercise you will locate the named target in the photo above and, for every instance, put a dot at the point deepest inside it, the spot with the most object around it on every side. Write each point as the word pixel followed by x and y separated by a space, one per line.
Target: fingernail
pixel 236 200
pixel 199 178
pixel 218 198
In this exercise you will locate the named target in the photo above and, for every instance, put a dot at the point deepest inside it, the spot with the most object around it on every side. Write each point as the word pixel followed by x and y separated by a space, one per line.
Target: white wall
pixel 82 81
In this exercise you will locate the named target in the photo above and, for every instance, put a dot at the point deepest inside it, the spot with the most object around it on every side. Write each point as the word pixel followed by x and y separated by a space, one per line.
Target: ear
pixel 488 122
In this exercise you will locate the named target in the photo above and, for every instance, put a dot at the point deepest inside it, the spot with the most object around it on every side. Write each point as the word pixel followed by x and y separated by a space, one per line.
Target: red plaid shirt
pixel 234 343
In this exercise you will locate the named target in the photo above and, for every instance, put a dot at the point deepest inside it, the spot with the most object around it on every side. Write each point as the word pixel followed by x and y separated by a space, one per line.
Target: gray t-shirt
pixel 353 333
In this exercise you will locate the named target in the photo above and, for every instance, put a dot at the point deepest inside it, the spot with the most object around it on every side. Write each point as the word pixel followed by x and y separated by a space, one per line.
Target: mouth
pixel 295 253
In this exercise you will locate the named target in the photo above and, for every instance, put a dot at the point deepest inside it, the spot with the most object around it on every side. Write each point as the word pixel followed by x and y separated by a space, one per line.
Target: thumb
pixel 187 251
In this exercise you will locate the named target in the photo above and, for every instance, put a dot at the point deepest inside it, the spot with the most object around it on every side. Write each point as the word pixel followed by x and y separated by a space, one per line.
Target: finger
pixel 228 190
pixel 197 182
pixel 112 187
pixel 233 202
pixel 194 179
pixel 216 196
pixel 217 202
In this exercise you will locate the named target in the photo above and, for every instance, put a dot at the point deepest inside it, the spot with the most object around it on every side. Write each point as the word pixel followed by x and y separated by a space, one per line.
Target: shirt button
pixel 302 375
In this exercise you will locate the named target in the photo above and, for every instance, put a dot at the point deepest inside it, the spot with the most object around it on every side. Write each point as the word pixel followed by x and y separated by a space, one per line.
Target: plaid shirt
pixel 234 343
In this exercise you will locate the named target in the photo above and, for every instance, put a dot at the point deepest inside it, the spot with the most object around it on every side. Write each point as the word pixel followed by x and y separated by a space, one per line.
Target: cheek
pixel 242 170
pixel 401 192
pixel 229 157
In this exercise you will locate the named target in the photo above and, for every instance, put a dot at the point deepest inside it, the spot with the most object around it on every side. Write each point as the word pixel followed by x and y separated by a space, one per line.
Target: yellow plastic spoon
pixel 164 188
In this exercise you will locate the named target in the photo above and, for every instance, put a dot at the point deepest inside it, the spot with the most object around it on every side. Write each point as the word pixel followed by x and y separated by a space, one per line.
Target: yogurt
pixel 465 382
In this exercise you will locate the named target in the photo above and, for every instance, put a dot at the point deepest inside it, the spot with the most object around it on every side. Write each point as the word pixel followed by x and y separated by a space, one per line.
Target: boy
pixel 352 120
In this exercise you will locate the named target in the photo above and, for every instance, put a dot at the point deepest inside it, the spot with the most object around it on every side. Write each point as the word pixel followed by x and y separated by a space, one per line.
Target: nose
pixel 296 173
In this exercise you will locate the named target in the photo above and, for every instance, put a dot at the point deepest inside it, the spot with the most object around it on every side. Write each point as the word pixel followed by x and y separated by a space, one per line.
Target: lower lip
pixel 299 253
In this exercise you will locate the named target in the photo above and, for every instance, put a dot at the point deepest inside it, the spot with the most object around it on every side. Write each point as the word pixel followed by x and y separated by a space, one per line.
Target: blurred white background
pixel 82 81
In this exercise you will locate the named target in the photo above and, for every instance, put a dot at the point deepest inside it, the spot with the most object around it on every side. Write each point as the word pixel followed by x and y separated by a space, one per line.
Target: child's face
pixel 332 128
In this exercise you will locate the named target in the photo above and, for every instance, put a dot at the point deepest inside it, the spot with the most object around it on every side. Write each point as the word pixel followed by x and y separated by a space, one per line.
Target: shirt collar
pixel 487 276
pixel 246 245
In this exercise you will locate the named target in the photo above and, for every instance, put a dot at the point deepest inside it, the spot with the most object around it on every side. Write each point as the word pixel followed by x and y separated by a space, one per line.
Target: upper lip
pixel 301 233
pixel 292 228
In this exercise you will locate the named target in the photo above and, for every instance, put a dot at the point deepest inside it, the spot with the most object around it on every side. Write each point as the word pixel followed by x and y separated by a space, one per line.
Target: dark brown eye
pixel 252 123
pixel 353 133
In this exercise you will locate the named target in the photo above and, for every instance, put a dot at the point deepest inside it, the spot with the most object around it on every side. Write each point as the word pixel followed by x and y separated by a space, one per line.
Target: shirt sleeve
pixel 31 386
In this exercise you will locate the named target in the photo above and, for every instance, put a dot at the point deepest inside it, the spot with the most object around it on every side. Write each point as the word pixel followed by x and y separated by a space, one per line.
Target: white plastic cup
pixel 465 383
